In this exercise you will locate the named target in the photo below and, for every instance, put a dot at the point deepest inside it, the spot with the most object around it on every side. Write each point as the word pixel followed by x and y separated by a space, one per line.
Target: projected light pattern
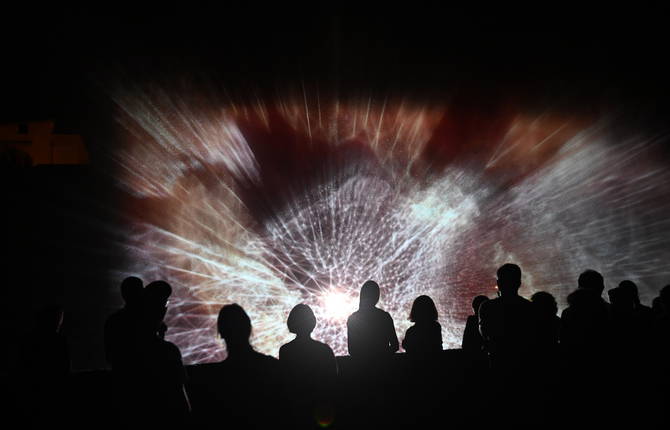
pixel 301 200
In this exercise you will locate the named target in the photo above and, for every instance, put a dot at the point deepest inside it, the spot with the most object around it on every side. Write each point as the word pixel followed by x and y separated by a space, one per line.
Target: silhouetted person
pixel 586 322
pixel 160 372
pixel 242 391
pixel 549 323
pixel 586 338
pixel 476 358
pixel 643 314
pixel 626 323
pixel 370 330
pixel 472 338
pixel 425 336
pixel 121 326
pixel 661 342
pixel 372 342
pixel 548 326
pixel 309 369
pixel 632 333
pixel 508 323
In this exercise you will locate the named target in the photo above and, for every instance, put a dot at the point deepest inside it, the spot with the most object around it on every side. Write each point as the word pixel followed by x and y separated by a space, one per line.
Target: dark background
pixel 60 224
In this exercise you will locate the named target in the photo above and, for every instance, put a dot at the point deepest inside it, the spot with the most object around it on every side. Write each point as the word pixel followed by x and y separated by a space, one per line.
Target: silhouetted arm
pixel 438 337
pixel 394 345
pixel 484 322
pixel 408 342
pixel 469 331
pixel 352 341
pixel 180 400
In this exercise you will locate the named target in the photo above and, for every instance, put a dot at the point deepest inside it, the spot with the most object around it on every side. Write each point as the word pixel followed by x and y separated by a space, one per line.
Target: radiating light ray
pixel 262 204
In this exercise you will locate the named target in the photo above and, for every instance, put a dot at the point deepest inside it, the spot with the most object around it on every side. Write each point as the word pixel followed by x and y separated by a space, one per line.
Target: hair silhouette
pixel 423 310
pixel 508 322
pixel 472 338
pixel 244 389
pixel 121 327
pixel 309 371
pixel 301 320
pixel 425 336
pixel 509 278
pixel 548 324
pixel 545 303
pixel 234 327
pixel 131 290
pixel 369 295
pixel 591 280
pixel 477 302
pixel 370 330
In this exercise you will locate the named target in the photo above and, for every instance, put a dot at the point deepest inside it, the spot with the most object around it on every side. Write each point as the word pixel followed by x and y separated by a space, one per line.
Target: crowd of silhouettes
pixel 515 351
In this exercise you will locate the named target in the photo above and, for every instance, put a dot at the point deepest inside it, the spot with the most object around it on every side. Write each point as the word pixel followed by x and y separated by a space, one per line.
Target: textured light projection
pixel 301 199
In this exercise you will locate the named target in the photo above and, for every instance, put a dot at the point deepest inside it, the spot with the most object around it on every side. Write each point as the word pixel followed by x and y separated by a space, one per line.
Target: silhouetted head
pixel 631 290
pixel 160 290
pixel 131 290
pixel 584 297
pixel 234 326
pixel 369 294
pixel 155 298
pixel 545 303
pixel 665 296
pixel 477 302
pixel 591 280
pixel 509 278
pixel 622 299
pixel 301 320
pixel 657 307
pixel 423 310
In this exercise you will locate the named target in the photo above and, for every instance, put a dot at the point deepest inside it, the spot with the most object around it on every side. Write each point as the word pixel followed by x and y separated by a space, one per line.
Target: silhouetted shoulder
pixel 171 350
pixel 324 348
pixel 284 349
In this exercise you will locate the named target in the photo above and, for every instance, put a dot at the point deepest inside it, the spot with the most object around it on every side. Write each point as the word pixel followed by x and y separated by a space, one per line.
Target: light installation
pixel 300 198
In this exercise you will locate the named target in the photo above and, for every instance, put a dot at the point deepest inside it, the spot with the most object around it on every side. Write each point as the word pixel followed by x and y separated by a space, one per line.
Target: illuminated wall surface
pixel 301 199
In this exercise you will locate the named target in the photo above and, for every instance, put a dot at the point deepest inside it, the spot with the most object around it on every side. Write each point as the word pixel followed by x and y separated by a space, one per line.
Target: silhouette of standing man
pixel 370 330
pixel 507 323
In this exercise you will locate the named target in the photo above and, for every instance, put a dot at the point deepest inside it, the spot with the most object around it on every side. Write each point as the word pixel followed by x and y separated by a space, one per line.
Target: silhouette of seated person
pixel 424 338
pixel 309 369
pixel 370 330
pixel 472 338
pixel 242 391
pixel 508 323
pixel 121 326
pixel 586 322
pixel 159 376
